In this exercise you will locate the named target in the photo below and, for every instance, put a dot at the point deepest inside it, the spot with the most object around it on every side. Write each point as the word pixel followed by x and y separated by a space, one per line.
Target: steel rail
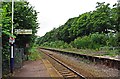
pixel 66 66
pixel 112 63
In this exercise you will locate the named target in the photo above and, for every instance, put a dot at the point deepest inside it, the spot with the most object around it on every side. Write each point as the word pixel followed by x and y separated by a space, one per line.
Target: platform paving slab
pixel 36 70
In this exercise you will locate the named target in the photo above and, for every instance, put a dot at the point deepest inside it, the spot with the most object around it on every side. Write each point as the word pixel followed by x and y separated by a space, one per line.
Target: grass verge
pixel 34 54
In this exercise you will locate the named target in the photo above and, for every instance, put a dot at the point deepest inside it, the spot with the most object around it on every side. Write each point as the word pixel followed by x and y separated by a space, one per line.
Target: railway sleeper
pixel 64 72
pixel 70 74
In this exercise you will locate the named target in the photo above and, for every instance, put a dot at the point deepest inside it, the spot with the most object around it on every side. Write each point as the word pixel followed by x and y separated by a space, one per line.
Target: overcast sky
pixel 54 13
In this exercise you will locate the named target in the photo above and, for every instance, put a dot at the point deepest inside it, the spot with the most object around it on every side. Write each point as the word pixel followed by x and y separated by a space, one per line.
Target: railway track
pixel 66 71
pixel 112 63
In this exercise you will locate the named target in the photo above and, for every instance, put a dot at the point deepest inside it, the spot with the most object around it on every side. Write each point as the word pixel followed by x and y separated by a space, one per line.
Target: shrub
pixel 95 41
pixel 56 44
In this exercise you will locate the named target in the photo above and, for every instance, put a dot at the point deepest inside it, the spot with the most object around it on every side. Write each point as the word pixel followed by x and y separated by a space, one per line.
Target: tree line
pixel 96 28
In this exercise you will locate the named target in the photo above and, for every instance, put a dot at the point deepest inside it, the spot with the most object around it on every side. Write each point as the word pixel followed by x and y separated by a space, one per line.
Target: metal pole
pixel 12 52
pixel 12 15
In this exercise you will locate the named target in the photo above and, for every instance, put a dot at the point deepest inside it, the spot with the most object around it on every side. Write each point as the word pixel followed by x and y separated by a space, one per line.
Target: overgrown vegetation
pixel 25 17
pixel 56 44
pixel 90 30
pixel 34 54
pixel 95 41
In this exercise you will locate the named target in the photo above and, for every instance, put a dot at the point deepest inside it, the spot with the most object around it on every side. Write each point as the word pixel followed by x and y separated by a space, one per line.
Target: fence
pixel 19 57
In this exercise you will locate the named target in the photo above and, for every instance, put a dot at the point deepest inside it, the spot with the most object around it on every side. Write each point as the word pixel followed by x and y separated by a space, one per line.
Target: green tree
pixel 25 17
pixel 103 20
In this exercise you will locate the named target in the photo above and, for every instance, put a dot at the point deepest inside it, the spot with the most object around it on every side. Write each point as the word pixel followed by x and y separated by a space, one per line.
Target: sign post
pixel 12 52
pixel 12 40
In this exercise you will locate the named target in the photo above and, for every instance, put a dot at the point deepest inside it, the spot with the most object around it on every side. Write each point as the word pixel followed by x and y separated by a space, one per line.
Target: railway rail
pixel 112 63
pixel 63 69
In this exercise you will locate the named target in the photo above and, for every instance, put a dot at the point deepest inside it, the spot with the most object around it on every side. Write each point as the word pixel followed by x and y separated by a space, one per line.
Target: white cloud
pixel 56 12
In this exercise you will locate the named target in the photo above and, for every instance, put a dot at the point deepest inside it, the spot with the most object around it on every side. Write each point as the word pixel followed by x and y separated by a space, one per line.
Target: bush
pixel 34 54
pixel 92 41
pixel 95 41
pixel 56 44
pixel 81 42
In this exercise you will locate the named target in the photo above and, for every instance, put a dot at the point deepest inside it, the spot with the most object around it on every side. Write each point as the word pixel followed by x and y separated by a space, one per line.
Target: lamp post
pixel 12 50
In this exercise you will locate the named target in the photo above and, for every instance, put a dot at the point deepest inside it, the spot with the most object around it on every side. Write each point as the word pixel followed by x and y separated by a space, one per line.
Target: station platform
pixel 37 69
